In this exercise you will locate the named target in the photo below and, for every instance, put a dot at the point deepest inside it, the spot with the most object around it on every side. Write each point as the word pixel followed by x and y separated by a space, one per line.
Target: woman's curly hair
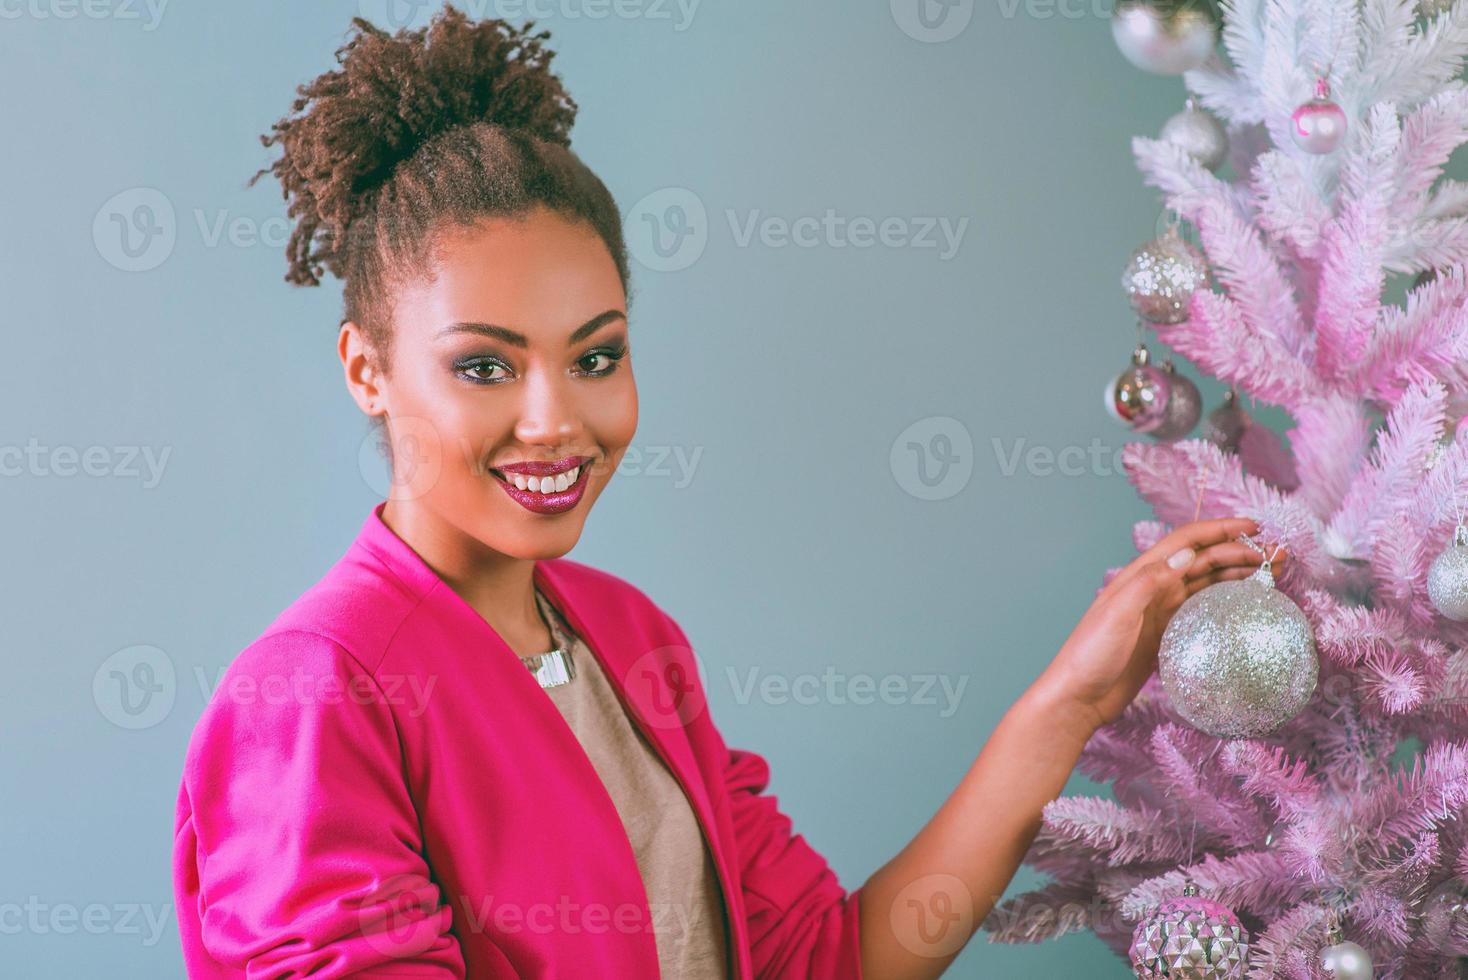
pixel 417 132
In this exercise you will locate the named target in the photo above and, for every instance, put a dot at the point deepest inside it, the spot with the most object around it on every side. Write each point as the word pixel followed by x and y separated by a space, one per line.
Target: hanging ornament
pixel 1225 425
pixel 1184 405
pixel 1190 937
pixel 1320 124
pixel 1448 437
pixel 1137 397
pixel 1445 917
pixel 1238 657
pixel 1161 276
pixel 1342 959
pixel 1164 40
pixel 1199 134
pixel 1447 579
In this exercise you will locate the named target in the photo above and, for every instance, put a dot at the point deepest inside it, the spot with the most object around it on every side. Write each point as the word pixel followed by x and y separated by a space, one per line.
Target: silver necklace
pixel 555 667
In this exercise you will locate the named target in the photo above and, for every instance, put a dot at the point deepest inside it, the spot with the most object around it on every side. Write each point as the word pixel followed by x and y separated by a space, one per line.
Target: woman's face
pixel 511 355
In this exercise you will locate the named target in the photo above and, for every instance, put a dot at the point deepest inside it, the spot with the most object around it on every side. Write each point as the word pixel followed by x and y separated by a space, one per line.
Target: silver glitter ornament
pixel 1161 41
pixel 1344 960
pixel 1190 937
pixel 1199 134
pixel 1225 425
pixel 1184 405
pixel 1137 397
pixel 1447 579
pixel 1161 276
pixel 1238 658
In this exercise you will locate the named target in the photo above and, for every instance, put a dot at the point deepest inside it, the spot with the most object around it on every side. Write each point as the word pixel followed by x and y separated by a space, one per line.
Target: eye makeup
pixel 464 367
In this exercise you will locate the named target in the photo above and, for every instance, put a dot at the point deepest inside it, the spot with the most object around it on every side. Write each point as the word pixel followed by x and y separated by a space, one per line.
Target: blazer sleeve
pixel 308 849
pixel 801 922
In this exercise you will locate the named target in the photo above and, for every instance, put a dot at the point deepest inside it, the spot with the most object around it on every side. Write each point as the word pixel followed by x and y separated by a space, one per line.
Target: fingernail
pixel 1182 559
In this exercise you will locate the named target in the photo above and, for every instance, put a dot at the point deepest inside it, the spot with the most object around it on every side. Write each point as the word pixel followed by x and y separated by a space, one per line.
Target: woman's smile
pixel 546 488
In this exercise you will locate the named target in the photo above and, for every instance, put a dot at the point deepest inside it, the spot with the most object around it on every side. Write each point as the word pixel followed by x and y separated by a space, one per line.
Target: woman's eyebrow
pixel 517 339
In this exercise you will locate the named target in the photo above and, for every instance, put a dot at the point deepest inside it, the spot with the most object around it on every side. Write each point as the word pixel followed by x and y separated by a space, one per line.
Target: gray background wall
pixel 760 365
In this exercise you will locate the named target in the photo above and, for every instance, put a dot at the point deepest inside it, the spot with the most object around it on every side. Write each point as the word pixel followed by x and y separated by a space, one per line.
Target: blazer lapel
pixel 657 683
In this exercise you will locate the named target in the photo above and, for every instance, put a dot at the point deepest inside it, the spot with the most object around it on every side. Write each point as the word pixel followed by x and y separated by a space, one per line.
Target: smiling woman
pixel 555 799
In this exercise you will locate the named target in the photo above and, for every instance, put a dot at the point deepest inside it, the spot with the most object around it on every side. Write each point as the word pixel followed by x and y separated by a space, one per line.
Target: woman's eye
pixel 480 371
pixel 600 362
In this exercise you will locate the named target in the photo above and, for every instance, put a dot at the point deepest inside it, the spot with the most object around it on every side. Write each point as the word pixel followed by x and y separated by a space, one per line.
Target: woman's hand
pixel 1113 650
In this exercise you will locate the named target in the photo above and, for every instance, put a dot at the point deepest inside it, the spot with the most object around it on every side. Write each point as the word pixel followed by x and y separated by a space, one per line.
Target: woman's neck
pixel 501 588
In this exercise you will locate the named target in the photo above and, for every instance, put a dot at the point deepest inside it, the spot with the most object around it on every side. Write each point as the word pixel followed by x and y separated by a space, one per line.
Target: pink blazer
pixel 378 787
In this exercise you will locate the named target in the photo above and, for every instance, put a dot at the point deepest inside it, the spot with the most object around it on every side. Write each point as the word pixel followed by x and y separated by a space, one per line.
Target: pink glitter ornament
pixel 1320 124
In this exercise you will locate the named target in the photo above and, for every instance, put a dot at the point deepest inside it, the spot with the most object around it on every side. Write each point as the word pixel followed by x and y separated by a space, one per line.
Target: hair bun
pixel 350 127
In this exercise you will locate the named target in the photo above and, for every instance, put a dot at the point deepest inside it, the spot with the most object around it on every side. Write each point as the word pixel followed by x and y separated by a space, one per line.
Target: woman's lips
pixel 556 502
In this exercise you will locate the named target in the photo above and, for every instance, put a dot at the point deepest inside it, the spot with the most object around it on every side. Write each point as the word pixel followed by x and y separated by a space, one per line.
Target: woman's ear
pixel 360 366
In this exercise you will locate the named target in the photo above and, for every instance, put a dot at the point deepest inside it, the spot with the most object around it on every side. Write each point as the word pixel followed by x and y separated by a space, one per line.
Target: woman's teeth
pixel 544 484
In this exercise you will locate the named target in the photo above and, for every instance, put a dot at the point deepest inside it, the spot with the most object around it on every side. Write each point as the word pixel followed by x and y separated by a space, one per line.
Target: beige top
pixel 688 914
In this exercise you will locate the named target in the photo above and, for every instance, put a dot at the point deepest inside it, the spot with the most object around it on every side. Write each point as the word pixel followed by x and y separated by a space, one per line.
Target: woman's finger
pixel 1202 534
pixel 1221 575
pixel 1233 554
pixel 1196 535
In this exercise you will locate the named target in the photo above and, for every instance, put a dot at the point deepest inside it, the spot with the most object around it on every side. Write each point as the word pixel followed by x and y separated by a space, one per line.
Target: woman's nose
pixel 548 413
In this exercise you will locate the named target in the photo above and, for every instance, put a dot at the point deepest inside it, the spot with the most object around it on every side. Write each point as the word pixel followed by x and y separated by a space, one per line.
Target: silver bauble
pixel 1238 658
pixel 1161 276
pixel 1184 406
pixel 1347 961
pixel 1137 397
pixel 1447 578
pixel 1341 959
pixel 1190 937
pixel 1199 134
pixel 1156 41
pixel 1225 425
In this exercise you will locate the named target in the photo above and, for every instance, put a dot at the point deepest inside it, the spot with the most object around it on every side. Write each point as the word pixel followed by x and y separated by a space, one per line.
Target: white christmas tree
pixel 1354 809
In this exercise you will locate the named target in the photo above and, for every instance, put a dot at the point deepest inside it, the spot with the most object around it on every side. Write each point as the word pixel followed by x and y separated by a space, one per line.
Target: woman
pixel 380 786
